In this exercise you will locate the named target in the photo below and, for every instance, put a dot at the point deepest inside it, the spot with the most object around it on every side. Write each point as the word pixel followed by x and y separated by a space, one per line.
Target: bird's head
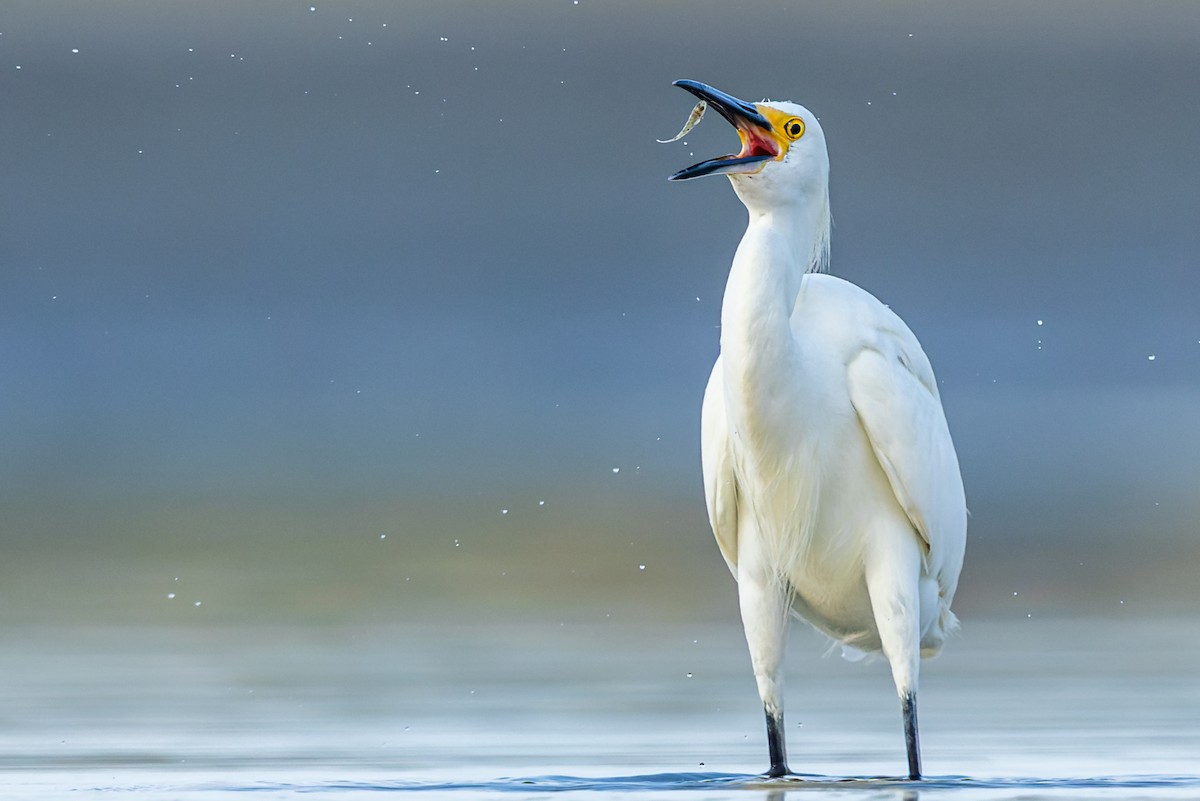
pixel 783 160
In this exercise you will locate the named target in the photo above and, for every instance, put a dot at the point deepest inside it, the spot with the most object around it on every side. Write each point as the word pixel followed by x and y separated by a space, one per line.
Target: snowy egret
pixel 832 483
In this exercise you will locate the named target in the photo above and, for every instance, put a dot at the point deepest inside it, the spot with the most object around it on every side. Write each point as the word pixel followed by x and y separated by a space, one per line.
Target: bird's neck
pixel 756 335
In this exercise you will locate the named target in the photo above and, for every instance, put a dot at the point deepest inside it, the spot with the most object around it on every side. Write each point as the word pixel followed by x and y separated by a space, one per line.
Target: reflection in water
pixel 613 709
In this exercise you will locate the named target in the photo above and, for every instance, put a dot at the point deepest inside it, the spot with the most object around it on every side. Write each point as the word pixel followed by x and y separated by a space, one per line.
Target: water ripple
pixel 728 781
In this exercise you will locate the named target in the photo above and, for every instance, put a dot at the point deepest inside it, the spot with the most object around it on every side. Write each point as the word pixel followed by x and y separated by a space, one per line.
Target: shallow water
pixel 1014 709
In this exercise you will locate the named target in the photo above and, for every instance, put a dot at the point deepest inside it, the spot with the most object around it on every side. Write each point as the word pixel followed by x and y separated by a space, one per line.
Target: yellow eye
pixel 794 128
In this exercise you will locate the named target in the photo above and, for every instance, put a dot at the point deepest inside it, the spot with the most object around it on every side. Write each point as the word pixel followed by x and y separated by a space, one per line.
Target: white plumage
pixel 832 483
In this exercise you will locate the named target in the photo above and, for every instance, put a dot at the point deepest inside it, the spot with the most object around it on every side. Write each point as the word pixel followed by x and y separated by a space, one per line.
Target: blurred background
pixel 359 312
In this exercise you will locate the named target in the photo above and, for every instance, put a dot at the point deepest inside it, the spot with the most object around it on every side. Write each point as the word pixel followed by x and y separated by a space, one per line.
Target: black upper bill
pixel 727 105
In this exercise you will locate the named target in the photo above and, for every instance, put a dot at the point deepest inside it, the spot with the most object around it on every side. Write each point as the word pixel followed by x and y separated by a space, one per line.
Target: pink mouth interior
pixel 756 143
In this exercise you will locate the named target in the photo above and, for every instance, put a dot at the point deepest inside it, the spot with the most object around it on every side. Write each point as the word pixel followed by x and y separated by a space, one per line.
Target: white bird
pixel 832 484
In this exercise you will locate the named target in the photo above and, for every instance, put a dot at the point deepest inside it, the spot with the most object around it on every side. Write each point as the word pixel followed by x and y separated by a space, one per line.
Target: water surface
pixel 1014 709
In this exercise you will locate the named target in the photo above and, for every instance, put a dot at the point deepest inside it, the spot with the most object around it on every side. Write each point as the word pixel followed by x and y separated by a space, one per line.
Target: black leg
pixel 776 745
pixel 911 739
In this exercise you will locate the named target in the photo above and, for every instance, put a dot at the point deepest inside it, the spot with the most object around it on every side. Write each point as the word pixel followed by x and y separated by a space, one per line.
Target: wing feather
pixel 720 485
pixel 892 390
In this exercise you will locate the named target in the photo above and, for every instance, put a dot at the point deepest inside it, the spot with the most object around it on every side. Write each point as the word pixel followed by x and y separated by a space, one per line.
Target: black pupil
pixel 794 129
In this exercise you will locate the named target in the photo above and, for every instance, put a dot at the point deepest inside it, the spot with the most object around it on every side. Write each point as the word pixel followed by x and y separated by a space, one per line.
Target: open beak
pixel 759 142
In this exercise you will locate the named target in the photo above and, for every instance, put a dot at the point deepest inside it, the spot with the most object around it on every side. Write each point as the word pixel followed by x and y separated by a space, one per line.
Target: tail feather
pixel 946 626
